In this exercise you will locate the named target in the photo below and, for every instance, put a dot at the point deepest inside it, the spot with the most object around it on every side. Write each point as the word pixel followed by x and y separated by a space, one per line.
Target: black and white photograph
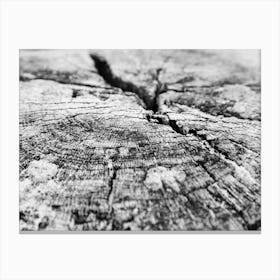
pixel 140 140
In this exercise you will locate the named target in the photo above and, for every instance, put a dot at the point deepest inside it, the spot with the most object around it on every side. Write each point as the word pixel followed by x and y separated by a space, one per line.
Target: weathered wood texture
pixel 140 140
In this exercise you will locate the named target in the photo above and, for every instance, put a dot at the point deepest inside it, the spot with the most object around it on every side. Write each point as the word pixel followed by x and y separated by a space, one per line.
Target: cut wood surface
pixel 140 140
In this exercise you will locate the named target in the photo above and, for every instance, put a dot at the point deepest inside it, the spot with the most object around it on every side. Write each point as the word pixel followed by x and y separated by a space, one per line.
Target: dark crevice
pixel 112 173
pixel 148 117
pixel 149 98
pixel 200 136
pixel 111 182
pixel 76 93
pixel 164 120
pixel 104 70
pixel 209 142
pixel 156 118
pixel 160 88
pixel 173 124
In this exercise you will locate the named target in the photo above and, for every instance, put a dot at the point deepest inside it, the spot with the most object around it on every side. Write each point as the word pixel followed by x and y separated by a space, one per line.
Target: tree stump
pixel 141 140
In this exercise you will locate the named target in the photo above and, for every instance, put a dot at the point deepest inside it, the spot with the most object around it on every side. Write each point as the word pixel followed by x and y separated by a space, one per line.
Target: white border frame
pixel 146 24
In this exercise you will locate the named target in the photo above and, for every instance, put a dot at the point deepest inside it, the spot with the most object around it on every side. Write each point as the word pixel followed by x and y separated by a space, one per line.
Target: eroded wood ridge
pixel 140 140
